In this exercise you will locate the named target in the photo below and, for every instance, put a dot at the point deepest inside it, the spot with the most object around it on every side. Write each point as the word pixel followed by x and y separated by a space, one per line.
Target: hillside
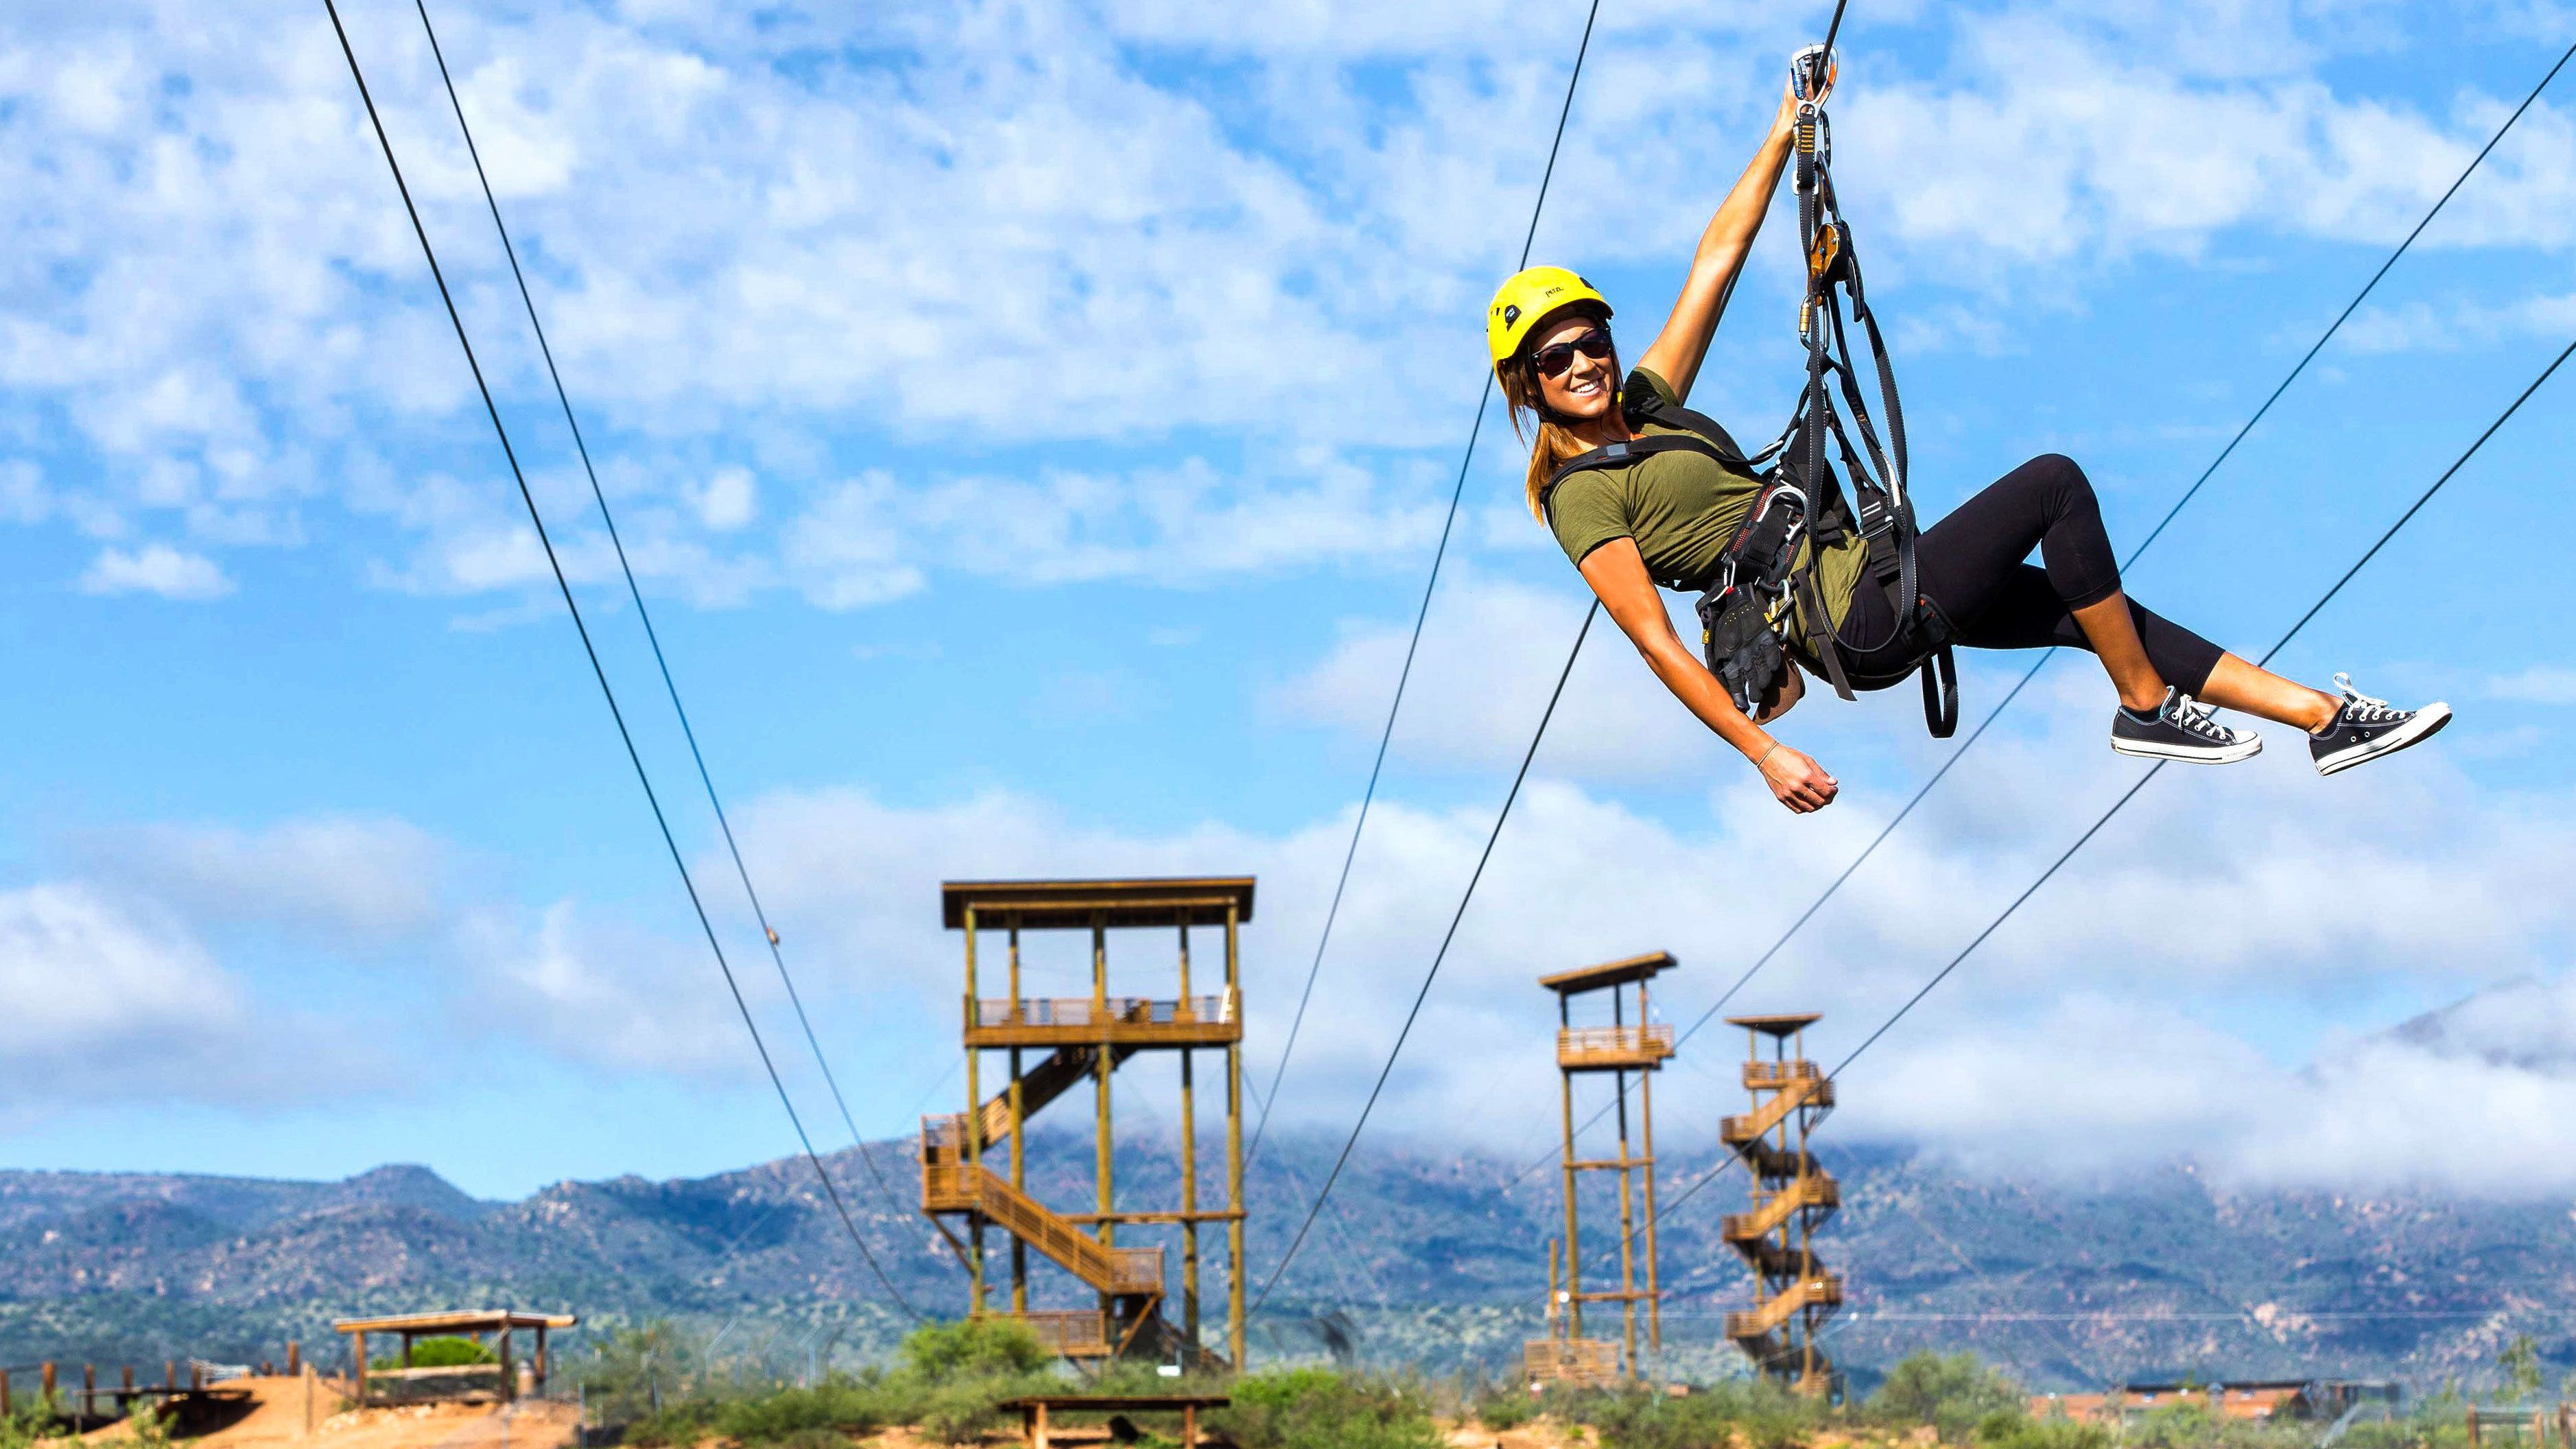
pixel 1434 1259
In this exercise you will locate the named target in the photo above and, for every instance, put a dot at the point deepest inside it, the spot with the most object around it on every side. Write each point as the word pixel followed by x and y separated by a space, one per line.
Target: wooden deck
pixel 1196 1021
pixel 1614 1048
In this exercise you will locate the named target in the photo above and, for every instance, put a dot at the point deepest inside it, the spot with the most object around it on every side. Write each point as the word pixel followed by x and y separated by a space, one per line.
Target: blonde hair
pixel 1554 444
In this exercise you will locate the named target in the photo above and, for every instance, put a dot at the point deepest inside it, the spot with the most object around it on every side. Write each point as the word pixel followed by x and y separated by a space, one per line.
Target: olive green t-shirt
pixel 1683 508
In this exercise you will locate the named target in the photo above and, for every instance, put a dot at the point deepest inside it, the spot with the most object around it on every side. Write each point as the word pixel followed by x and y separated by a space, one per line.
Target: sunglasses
pixel 1556 359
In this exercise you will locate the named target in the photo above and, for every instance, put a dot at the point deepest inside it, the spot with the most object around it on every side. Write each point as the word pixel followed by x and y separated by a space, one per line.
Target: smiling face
pixel 1587 386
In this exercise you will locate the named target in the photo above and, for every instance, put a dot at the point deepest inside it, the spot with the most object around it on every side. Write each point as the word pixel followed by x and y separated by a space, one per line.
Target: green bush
pixel 834 1408
pixel 28 1423
pixel 974 1348
pixel 1759 1415
pixel 1956 1395
pixel 2014 1429
pixel 676 1425
pixel 444 1351
pixel 1506 1405
pixel 1314 1408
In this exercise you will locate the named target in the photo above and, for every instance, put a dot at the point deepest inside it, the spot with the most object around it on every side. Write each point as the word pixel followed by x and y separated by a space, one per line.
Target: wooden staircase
pixel 1793 1197
pixel 1132 1278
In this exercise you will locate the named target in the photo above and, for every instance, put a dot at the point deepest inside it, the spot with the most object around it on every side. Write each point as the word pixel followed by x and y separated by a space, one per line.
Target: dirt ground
pixel 274 1418
pixel 1541 1433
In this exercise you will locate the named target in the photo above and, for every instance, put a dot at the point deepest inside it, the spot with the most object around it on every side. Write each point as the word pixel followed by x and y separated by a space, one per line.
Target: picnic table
pixel 1036 1408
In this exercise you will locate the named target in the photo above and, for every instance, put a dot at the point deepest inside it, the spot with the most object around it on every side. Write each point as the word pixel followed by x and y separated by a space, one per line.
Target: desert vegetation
pixel 949 1379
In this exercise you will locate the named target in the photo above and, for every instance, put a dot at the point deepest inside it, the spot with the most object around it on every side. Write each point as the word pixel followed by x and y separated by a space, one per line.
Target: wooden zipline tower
pixel 1792 1198
pixel 1628 1044
pixel 1087 1038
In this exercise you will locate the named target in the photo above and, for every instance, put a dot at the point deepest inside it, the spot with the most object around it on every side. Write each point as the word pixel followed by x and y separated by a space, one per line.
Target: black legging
pixel 1970 566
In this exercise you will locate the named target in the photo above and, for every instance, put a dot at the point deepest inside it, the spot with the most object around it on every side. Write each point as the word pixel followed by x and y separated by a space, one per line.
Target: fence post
pixel 4 1393
pixel 89 1390
pixel 294 1359
pixel 48 1387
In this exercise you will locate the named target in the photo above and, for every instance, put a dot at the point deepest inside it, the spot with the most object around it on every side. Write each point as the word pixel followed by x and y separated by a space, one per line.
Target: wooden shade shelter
pixel 502 1323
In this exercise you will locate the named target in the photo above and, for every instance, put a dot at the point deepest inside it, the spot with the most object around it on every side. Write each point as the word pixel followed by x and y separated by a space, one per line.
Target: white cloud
pixel 1491 653
pixel 874 538
pixel 78 975
pixel 1091 255
pixel 2056 140
pixel 155 569
pixel 345 878
pixel 2454 327
pixel 728 500
pixel 608 997
pixel 2220 932
pixel 103 1000
pixel 2549 684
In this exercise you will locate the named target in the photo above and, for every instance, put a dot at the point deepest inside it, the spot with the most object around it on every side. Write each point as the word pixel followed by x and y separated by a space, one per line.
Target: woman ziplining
pixel 1640 491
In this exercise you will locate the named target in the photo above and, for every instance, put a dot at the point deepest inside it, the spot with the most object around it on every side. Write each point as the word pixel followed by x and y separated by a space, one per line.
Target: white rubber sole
pixel 2244 749
pixel 2427 722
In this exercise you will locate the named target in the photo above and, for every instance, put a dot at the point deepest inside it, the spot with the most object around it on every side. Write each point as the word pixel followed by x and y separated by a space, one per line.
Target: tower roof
pixel 1041 905
pixel 1608 973
pixel 1778 1025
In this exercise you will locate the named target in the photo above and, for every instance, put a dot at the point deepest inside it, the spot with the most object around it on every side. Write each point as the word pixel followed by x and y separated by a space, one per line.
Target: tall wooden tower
pixel 1627 1045
pixel 1087 1038
pixel 1792 1198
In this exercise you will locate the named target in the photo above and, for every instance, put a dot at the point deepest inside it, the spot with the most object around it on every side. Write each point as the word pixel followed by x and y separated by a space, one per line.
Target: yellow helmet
pixel 1531 296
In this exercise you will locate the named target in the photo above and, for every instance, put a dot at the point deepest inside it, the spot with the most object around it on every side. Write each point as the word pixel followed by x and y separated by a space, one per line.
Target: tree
pixel 2520 1362
pixel 1953 1394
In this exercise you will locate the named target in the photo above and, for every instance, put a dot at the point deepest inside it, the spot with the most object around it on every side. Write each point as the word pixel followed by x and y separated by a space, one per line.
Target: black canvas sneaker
pixel 2184 731
pixel 2366 728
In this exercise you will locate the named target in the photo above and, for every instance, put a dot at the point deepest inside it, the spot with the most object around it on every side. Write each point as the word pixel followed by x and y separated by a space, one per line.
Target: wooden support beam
pixel 1235 1329
pixel 1189 1171
pixel 974 1106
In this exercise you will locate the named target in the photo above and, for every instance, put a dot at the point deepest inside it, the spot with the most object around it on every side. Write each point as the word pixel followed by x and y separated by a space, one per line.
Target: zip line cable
pixel 600 673
pixel 2157 768
pixel 1484 401
pixel 2127 564
pixel 1433 974
pixel 651 635
pixel 1589 613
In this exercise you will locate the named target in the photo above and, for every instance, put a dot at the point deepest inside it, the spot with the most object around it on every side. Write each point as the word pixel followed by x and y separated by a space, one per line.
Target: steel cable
pixel 2157 768
pixel 2126 564
pixel 1484 402
pixel 599 673
pixel 645 616
pixel 1447 937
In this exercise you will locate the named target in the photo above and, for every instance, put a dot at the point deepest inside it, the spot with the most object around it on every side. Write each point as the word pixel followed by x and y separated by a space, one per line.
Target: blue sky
pixel 1032 423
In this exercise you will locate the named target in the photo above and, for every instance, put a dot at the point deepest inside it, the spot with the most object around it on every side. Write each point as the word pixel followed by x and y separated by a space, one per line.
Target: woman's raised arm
pixel 1676 352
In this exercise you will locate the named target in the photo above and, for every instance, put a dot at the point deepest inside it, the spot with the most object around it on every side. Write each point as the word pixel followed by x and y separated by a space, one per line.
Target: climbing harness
pixel 1761 584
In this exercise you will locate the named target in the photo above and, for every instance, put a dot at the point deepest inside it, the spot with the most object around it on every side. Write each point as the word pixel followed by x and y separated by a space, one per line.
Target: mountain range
pixel 1429 1258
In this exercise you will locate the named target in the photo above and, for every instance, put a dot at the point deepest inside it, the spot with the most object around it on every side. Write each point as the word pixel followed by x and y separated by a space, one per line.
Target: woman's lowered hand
pixel 1796 780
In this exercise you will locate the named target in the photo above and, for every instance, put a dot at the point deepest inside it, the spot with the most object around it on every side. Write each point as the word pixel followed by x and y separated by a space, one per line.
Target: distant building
pixel 2260 1400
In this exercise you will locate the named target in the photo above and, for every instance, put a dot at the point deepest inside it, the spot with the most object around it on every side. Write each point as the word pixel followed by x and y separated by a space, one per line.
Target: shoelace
pixel 2361 709
pixel 2193 717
